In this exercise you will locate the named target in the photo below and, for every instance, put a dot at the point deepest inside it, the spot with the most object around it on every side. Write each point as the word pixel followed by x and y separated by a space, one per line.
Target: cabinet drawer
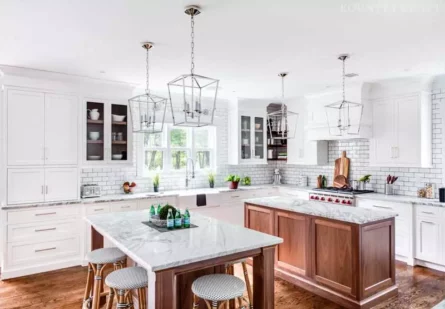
pixel 97 209
pixel 42 231
pixel 43 214
pixel 402 209
pixel 123 206
pixel 42 252
pixel 428 211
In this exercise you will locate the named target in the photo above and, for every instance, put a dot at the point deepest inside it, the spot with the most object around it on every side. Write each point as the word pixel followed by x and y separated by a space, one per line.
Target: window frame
pixel 167 149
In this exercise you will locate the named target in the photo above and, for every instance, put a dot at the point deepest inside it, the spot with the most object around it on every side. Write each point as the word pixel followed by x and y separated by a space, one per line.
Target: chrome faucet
pixel 187 174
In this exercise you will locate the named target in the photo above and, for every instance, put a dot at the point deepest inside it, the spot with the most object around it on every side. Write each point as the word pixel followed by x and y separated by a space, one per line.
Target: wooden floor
pixel 418 288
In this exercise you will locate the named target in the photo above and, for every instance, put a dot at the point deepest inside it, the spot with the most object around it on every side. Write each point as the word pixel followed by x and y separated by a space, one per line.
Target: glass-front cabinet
pixel 107 133
pixel 252 137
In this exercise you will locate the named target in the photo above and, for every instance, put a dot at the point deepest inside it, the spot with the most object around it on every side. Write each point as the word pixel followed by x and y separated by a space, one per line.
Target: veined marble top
pixel 157 251
pixel 331 211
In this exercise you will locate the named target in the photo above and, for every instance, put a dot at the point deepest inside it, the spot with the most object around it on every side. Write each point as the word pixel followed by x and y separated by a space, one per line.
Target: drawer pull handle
pixel 235 196
pixel 383 207
pixel 125 207
pixel 47 249
pixel 98 209
pixel 428 212
pixel 428 222
pixel 48 229
pixel 46 214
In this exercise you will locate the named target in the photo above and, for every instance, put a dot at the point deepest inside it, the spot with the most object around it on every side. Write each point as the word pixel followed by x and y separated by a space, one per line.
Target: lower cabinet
pixel 259 219
pixel 428 239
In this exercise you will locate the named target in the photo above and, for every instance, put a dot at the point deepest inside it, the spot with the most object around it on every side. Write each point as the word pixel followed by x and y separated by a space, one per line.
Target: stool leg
pixel 110 299
pixel 223 305
pixel 249 287
pixel 90 278
pixel 98 285
pixel 240 303
pixel 121 302
pixel 214 304
pixel 129 297
pixel 195 301
pixel 208 304
pixel 142 298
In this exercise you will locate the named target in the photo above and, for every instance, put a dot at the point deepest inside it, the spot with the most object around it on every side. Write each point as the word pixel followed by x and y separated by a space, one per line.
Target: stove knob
pixel 322 199
pixel 317 198
pixel 312 197
pixel 343 202
pixel 329 200
pixel 349 202
pixel 337 201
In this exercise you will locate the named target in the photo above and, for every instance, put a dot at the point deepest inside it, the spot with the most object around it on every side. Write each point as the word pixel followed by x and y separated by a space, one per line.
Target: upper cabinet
pixel 402 131
pixel 108 139
pixel 42 128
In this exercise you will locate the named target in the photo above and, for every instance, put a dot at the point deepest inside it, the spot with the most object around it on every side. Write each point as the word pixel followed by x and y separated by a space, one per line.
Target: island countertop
pixel 337 212
pixel 156 251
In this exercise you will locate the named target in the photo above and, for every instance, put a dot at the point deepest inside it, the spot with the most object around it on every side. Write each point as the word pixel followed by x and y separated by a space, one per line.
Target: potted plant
pixel 211 179
pixel 246 181
pixel 156 183
pixel 233 181
pixel 161 218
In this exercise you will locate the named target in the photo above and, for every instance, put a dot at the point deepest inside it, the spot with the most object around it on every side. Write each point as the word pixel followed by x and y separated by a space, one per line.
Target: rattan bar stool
pixel 98 260
pixel 122 282
pixel 217 290
pixel 230 271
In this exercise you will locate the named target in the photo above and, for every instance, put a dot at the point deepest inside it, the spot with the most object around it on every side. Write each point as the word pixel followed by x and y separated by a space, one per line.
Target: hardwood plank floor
pixel 419 288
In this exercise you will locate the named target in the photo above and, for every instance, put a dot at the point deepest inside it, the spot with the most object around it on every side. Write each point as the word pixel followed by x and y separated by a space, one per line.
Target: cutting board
pixel 342 166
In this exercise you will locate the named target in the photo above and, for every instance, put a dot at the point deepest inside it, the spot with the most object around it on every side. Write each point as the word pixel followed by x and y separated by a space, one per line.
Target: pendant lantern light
pixel 193 96
pixel 339 113
pixel 282 123
pixel 148 110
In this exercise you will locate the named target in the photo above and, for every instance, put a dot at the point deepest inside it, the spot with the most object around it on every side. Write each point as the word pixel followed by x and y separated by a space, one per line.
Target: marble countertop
pixel 149 195
pixel 157 251
pixel 401 199
pixel 331 211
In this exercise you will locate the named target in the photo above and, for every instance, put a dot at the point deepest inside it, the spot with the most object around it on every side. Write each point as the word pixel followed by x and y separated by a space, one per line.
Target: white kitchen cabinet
pixel 61 184
pixel 429 236
pixel 114 137
pixel 42 128
pixel 26 185
pixel 402 131
pixel 25 127
pixel 37 185
pixel 61 129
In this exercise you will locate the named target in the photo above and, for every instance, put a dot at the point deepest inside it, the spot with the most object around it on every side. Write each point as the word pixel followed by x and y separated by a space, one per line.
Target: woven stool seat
pixel 218 287
pixel 128 278
pixel 105 256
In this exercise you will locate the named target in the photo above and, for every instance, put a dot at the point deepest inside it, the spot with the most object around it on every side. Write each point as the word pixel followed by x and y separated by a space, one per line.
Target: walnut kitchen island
pixel 176 258
pixel 342 253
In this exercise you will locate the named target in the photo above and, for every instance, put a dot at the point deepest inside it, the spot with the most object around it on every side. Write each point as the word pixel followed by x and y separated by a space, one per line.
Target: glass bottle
pixel 170 220
pixel 187 219
pixel 152 212
pixel 178 219
pixel 158 211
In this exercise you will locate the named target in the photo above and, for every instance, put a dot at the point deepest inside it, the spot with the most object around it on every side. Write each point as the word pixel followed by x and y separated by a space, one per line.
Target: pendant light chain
pixel 192 35
pixel 147 90
pixel 344 95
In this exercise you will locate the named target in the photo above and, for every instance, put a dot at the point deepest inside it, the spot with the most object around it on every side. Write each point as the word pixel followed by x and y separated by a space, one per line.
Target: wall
pixel 410 179
pixel 110 179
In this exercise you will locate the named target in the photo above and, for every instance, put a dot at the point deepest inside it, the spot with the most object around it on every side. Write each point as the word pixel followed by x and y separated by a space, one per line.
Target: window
pixel 169 150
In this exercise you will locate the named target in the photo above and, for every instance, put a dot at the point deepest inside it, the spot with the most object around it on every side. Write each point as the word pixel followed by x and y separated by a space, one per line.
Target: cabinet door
pixel 26 185
pixel 259 219
pixel 383 141
pixel 407 128
pixel 26 121
pixel 291 254
pixel 259 138
pixel 119 139
pixel 246 138
pixel 61 184
pixel 428 239
pixel 61 129
pixel 95 131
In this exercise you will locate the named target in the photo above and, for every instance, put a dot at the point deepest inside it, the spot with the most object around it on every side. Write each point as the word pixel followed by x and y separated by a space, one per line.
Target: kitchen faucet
pixel 187 176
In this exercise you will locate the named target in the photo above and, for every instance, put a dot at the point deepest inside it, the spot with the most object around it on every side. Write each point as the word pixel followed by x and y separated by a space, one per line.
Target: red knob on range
pixel 349 203
pixel 343 202
pixel 329 200
pixel 317 198
pixel 322 199
pixel 337 201
pixel 312 197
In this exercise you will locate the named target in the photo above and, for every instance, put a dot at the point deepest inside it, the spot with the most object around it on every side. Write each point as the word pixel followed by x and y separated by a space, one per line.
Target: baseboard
pixel 404 259
pixel 25 271
pixel 429 265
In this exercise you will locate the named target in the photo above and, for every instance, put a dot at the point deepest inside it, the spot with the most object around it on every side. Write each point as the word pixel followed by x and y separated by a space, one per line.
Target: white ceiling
pixel 244 43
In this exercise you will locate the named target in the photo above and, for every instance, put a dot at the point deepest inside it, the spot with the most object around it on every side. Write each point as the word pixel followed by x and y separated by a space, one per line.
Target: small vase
pixel 211 184
pixel 389 189
pixel 155 189
pixel 233 185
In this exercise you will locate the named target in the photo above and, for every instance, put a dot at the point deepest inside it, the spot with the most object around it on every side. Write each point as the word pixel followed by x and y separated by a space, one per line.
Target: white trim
pixel 36 269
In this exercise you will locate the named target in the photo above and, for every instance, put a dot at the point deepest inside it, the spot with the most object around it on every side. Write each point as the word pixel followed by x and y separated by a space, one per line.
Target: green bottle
pixel 170 220
pixel 178 219
pixel 152 211
pixel 158 211
pixel 187 219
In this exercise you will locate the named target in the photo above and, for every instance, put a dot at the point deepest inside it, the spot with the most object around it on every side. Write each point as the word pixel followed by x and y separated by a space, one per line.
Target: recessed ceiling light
pixel 102 72
pixel 350 75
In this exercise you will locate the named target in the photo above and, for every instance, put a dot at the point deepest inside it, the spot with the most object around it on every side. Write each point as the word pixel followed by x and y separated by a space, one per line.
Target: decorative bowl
pixel 158 222
pixel 117 157
pixel 257 126
pixel 118 118
pixel 94 135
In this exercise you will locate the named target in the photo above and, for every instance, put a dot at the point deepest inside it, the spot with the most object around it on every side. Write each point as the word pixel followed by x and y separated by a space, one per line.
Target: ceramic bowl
pixel 158 222
pixel 93 157
pixel 118 118
pixel 94 135
pixel 257 126
pixel 117 157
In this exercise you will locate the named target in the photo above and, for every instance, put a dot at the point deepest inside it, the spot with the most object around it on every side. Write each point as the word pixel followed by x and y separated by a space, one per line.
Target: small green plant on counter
pixel 156 182
pixel 211 179
pixel 366 178
pixel 246 181
pixel 163 213
pixel 233 178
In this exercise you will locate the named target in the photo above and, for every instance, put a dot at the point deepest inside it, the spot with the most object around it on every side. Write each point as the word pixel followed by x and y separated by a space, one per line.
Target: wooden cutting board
pixel 342 166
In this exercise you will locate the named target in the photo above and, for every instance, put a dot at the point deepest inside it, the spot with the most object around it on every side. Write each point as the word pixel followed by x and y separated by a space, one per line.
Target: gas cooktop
pixel 348 191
